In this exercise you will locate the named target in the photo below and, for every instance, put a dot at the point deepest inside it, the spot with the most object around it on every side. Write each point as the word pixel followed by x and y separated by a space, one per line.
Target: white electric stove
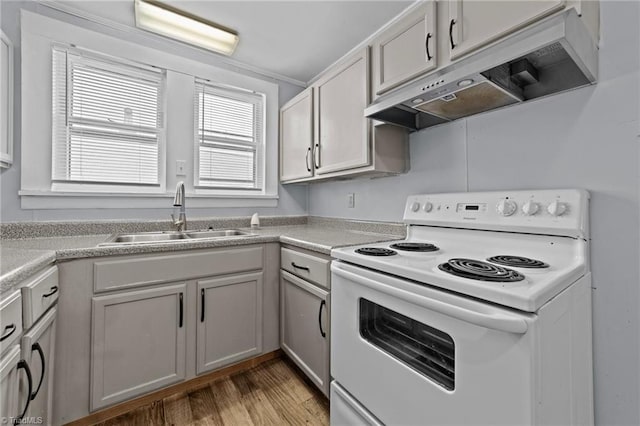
pixel 482 315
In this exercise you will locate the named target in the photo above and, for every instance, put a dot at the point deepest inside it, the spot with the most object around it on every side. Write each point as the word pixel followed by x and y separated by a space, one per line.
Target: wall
pixel 293 200
pixel 587 138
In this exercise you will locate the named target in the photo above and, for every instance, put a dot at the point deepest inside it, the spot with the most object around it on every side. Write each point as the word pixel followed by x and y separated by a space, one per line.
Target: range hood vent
pixel 553 56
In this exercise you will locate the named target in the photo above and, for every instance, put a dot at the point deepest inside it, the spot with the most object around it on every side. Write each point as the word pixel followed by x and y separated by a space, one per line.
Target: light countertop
pixel 21 258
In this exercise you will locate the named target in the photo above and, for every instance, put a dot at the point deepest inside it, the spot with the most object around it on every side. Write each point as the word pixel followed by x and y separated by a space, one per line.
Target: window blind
pixel 229 138
pixel 107 119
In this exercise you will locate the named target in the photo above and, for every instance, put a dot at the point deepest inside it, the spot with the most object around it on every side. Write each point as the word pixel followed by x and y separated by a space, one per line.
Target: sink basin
pixel 165 236
pixel 210 233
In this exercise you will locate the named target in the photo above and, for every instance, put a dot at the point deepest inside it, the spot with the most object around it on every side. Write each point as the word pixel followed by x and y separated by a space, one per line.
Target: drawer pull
pixel 36 347
pixel 304 268
pixel 23 364
pixel 12 328
pixel 53 290
pixel 322 304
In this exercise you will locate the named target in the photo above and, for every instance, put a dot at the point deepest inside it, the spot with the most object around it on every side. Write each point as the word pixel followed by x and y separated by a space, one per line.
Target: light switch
pixel 181 168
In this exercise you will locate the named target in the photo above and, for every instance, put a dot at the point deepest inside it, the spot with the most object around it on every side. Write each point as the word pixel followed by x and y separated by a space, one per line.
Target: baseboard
pixel 196 382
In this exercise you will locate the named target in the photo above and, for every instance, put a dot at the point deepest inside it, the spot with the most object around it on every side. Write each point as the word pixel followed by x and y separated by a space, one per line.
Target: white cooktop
pixel 555 239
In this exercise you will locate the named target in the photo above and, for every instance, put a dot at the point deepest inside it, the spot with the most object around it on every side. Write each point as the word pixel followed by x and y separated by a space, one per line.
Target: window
pixel 107 120
pixel 229 138
pixel 123 131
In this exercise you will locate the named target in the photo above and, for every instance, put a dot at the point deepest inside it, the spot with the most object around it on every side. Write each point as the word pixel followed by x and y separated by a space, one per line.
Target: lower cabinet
pixel 138 342
pixel 229 320
pixel 11 403
pixel 38 348
pixel 305 328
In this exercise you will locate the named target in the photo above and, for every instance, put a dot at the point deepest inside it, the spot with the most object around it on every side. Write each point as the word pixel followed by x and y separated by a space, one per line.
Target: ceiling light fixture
pixel 157 17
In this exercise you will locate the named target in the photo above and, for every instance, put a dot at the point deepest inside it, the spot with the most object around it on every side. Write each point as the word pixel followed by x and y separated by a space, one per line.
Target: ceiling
pixel 296 39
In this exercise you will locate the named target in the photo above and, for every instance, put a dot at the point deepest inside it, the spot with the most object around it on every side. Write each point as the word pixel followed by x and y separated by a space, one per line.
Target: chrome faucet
pixel 178 201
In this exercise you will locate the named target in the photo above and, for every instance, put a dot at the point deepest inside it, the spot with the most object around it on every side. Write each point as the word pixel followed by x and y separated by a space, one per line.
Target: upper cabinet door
pixel 296 137
pixel 342 131
pixel 406 50
pixel 473 24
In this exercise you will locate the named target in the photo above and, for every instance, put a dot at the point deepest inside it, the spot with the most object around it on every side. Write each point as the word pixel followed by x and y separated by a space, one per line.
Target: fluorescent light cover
pixel 167 21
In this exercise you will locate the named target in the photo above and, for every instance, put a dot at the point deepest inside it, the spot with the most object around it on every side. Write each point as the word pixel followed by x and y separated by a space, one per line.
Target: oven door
pixel 412 354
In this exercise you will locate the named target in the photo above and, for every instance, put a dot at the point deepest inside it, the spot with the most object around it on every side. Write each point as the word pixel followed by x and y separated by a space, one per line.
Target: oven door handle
pixel 491 317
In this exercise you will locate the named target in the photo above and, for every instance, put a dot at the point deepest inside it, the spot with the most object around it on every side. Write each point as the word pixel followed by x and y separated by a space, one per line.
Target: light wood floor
pixel 273 393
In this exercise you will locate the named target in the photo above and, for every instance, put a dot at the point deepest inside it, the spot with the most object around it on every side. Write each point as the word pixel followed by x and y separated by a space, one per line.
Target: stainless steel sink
pixel 210 233
pixel 167 236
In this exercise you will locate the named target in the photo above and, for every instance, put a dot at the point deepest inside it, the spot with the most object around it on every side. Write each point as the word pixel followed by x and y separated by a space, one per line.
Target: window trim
pixel 261 151
pixel 38 34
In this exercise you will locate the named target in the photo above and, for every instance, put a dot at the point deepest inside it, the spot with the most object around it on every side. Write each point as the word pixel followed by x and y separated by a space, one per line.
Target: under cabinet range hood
pixel 555 55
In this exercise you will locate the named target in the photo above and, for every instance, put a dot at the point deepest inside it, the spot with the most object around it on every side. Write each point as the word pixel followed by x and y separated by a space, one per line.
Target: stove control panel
pixel 553 212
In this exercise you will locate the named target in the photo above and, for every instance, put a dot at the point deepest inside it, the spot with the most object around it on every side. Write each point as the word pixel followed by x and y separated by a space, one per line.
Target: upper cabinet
pixel 405 50
pixel 6 99
pixel 473 24
pixel 344 142
pixel 296 137
pixel 342 132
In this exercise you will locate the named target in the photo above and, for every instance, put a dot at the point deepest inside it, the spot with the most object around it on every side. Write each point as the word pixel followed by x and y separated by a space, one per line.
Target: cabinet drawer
pixel 311 268
pixel 39 295
pixel 138 271
pixel 10 320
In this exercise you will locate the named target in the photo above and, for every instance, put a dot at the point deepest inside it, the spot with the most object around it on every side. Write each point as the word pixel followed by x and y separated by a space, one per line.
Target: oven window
pixel 425 349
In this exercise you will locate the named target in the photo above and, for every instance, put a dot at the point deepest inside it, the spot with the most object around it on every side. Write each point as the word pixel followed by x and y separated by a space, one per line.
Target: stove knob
pixel 415 206
pixel 427 207
pixel 506 207
pixel 530 208
pixel 557 208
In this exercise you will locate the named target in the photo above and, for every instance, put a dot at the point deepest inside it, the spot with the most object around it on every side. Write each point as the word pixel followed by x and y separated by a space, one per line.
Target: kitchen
pixel 585 138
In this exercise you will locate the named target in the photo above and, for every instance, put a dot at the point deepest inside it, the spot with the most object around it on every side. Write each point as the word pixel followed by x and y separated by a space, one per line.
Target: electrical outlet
pixel 351 200
pixel 181 168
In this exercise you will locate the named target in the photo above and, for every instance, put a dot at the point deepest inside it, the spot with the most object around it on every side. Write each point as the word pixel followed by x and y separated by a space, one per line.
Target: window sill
pixel 98 200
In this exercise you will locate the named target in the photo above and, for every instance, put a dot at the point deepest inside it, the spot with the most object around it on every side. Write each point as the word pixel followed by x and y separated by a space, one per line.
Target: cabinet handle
pixel 451 24
pixel 316 156
pixel 181 310
pixel 36 347
pixel 304 268
pixel 202 303
pixel 12 328
pixel 306 159
pixel 53 290
pixel 322 303
pixel 426 47
pixel 23 364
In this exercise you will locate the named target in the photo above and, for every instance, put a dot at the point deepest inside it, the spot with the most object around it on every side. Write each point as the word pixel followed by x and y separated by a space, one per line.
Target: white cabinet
pixel 344 143
pixel 12 404
pixel 342 131
pixel 305 330
pixel 229 320
pixel 38 348
pixel 6 101
pixel 138 342
pixel 406 50
pixel 27 369
pixel 296 137
pixel 473 24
